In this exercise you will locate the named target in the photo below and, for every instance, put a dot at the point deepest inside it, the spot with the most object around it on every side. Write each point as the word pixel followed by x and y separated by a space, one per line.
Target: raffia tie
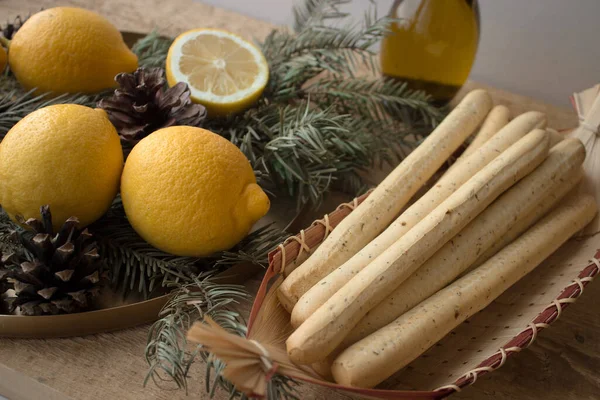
pixel 267 365
pixel 591 120
pixel 301 237
pixel 303 247
pixel 589 127
pixel 472 375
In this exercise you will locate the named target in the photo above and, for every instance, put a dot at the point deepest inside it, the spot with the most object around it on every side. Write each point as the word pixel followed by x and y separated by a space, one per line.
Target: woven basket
pixel 478 346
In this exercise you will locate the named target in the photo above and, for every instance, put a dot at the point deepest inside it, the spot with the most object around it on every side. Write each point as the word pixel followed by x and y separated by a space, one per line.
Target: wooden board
pixel 563 364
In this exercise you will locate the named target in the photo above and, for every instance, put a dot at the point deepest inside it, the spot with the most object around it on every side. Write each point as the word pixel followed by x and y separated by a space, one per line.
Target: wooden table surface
pixel 564 362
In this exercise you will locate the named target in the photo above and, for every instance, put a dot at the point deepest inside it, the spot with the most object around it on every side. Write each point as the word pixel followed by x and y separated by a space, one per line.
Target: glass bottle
pixel 432 45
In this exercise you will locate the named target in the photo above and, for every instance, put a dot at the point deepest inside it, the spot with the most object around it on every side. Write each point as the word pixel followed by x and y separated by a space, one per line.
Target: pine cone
pixel 56 273
pixel 142 105
pixel 9 30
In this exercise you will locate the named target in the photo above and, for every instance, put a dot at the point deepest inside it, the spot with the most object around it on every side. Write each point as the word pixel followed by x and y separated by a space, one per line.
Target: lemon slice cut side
pixel 225 73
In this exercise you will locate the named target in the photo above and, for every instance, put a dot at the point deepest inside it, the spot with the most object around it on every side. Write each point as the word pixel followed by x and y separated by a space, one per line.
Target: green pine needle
pixel 138 266
pixel 339 49
pixel 152 50
pixel 16 104
pixel 135 264
pixel 167 351
pixel 373 97
pixel 170 356
pixel 315 12
pixel 311 148
pixel 8 242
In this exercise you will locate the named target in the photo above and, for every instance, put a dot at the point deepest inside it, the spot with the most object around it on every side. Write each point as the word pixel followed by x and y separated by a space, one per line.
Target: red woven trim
pixel 526 337
pixel 316 233
pixel 293 246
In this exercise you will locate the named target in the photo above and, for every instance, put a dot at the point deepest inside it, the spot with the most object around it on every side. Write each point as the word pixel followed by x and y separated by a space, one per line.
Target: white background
pixel 544 49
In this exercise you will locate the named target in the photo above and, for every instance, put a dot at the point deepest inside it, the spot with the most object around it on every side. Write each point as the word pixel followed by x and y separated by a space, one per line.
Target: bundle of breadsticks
pixel 398 274
pixel 419 255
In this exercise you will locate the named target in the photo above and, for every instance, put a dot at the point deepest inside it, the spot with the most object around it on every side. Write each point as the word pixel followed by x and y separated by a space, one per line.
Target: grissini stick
pixel 497 118
pixel 464 169
pixel 372 216
pixel 376 357
pixel 557 175
pixel 324 330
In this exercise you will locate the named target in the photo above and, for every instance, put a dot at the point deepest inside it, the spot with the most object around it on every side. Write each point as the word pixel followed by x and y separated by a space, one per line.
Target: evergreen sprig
pixel 16 103
pixel 315 12
pixel 373 97
pixel 137 265
pixel 167 352
pixel 152 50
pixel 311 148
pixel 322 120
pixel 294 59
pixel 170 356
pixel 278 387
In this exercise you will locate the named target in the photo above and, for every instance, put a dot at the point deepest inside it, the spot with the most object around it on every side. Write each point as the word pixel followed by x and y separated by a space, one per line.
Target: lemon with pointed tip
pixel 67 156
pixel 190 192
pixel 69 50
pixel 224 72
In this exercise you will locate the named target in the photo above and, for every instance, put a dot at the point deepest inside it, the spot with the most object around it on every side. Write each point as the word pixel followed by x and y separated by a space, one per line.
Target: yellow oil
pixel 433 44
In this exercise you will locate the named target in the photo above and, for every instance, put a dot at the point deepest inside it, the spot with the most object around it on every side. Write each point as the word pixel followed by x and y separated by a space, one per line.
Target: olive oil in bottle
pixel 432 45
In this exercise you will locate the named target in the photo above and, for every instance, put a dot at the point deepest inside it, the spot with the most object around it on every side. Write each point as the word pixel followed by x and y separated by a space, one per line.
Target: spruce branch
pixel 305 147
pixel 310 147
pixel 135 264
pixel 315 12
pixel 374 97
pixel 253 249
pixel 342 38
pixel 138 266
pixel 9 243
pixel 170 356
pixel 16 104
pixel 152 50
pixel 339 49
pixel 167 351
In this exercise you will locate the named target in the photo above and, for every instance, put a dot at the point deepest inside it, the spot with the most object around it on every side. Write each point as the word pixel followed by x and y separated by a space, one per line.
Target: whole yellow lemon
pixel 69 50
pixel 68 156
pixel 190 192
pixel 3 59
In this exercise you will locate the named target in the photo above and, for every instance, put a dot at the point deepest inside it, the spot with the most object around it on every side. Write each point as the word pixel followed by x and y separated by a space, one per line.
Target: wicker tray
pixel 480 345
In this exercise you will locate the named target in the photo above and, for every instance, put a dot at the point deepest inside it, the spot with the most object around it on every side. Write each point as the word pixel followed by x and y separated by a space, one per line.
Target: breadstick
pixel 494 122
pixel 378 356
pixel 372 216
pixel 324 330
pixel 557 175
pixel 464 169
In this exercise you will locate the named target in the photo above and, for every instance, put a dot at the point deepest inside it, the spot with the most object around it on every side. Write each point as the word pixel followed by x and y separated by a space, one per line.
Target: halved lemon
pixel 225 73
